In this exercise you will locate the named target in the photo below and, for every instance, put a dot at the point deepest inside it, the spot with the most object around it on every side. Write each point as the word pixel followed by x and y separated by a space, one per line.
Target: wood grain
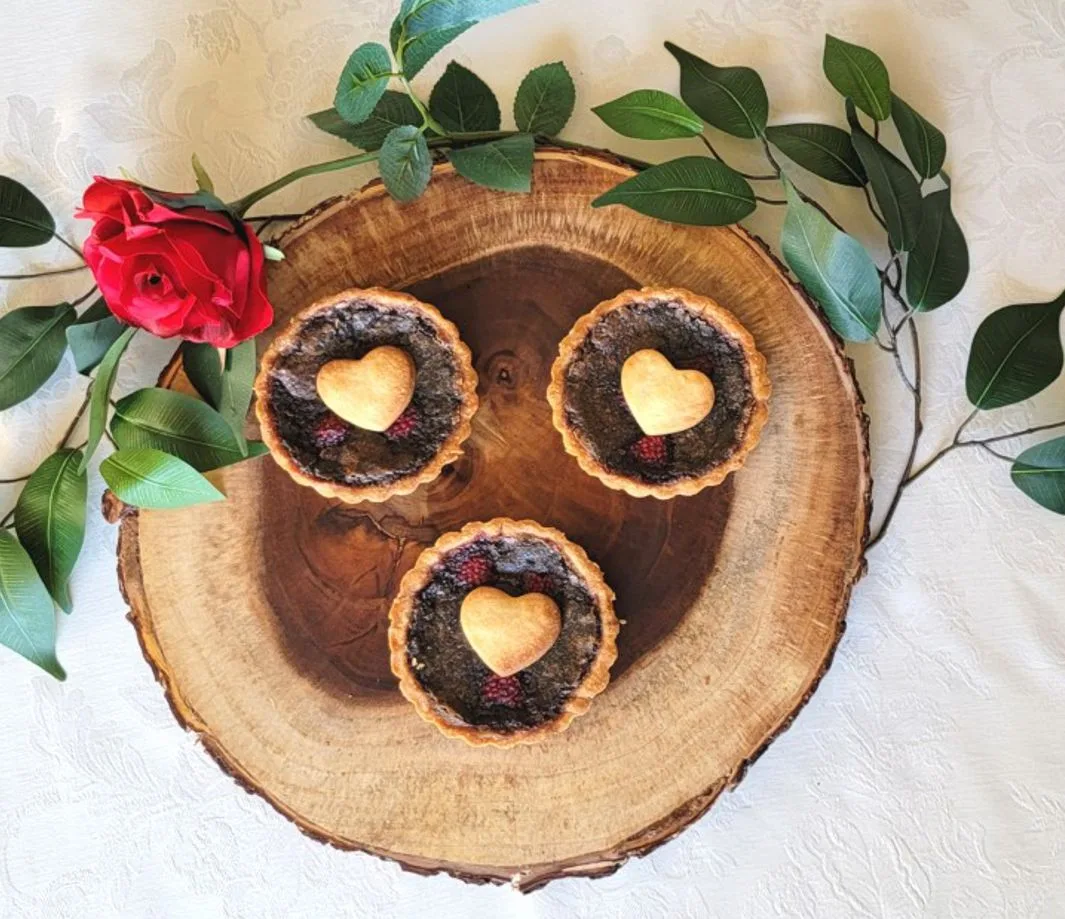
pixel 265 617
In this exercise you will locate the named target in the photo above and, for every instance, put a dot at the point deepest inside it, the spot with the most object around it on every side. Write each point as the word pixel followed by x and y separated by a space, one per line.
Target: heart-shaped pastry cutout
pixel 369 393
pixel 662 399
pixel 509 633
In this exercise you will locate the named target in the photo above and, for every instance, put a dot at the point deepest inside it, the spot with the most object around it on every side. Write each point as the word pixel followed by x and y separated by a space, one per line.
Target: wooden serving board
pixel 265 616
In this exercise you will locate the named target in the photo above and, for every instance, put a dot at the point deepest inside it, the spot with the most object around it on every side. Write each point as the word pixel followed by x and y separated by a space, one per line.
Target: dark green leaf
pixel 505 165
pixel 32 342
pixel 50 520
pixel 257 448
pixel 938 265
pixel 149 478
pixel 894 187
pixel 405 163
pixel 1040 473
pixel 393 110
pixel 418 50
pixel 24 220
pixel 545 99
pixel 179 201
pixel 27 617
pixel 649 114
pixel 362 82
pixel 732 99
pixel 94 332
pixel 202 364
pixel 238 382
pixel 462 102
pixel 834 268
pixel 1016 353
pixel 860 75
pixel 417 17
pixel 203 180
pixel 924 142
pixel 823 149
pixel 102 386
pixel 177 424
pixel 693 189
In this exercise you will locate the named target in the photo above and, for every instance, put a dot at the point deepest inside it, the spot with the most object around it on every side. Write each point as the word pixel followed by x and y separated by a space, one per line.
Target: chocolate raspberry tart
pixel 502 633
pixel 659 392
pixel 366 395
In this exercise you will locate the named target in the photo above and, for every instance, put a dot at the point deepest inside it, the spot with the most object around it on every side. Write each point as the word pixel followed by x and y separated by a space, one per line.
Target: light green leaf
pixel 924 142
pixel 938 265
pixel 50 520
pixel 203 180
pixel 100 400
pixel 1040 473
pixel 272 253
pixel 91 335
pixel 462 102
pixel 147 478
pixel 238 383
pixel 405 163
pixel 363 82
pixel 649 114
pixel 24 220
pixel 860 75
pixel 417 17
pixel 418 50
pixel 732 99
pixel 32 342
pixel 27 617
pixel 693 190
pixel 393 110
pixel 894 187
pixel 505 165
pixel 834 268
pixel 545 100
pixel 1016 353
pixel 823 149
pixel 177 424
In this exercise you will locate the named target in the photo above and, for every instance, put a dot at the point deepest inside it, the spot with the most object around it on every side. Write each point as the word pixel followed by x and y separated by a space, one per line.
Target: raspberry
pixel 650 450
pixel 330 431
pixel 502 690
pixel 474 571
pixel 403 426
pixel 536 582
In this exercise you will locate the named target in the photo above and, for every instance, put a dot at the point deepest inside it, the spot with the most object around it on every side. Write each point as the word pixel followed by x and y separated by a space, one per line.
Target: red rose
pixel 187 272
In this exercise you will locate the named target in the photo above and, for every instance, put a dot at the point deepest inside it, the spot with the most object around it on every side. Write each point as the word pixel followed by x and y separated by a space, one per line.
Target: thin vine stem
pixel 69 245
pixel 1012 434
pixel 42 274
pixel 747 175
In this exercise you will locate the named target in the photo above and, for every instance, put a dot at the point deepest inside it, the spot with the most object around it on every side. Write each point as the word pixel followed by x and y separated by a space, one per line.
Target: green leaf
pixel 732 99
pixel 938 265
pixel 545 100
pixel 203 180
pixel 418 50
pixel 202 364
pixel 1040 473
pixel 693 189
pixel 257 448
pixel 100 401
pixel 393 110
pixel 32 342
pixel 238 383
pixel 405 163
pixel 649 114
pixel 272 253
pixel 91 335
pixel 505 165
pixel 834 268
pixel 894 187
pixel 1016 353
pixel 363 82
pixel 179 201
pixel 24 220
pixel 924 142
pixel 860 75
pixel 177 424
pixel 823 149
pixel 462 102
pixel 50 520
pixel 27 617
pixel 152 479
pixel 417 17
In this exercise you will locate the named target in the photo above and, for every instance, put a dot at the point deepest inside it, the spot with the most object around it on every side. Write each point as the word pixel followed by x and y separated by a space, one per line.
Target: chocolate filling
pixel 596 408
pixel 447 667
pixel 348 331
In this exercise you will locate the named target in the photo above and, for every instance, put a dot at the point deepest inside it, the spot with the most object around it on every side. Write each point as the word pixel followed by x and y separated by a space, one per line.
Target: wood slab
pixel 265 617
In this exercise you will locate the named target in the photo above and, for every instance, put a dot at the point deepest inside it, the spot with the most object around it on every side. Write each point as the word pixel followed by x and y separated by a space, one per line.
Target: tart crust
pixel 449 451
pixel 442 716
pixel 717 316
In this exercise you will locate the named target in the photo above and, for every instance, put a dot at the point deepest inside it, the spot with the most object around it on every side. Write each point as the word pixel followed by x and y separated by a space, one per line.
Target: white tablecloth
pixel 925 778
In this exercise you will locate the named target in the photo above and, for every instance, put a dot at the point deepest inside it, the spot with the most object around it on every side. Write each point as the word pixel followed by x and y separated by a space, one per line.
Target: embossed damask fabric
pixel 925 777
